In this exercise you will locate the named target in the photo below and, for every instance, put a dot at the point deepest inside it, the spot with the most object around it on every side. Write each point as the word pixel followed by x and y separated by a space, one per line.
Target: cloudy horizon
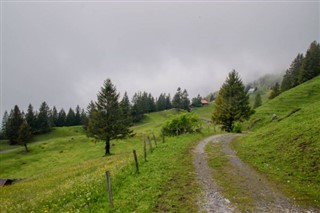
pixel 61 52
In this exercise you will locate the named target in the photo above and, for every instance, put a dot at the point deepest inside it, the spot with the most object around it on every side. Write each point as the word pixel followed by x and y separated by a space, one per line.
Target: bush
pixel 181 124
pixel 237 126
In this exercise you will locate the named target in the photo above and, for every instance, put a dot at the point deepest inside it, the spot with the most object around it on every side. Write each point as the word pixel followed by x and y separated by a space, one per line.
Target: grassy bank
pixel 287 150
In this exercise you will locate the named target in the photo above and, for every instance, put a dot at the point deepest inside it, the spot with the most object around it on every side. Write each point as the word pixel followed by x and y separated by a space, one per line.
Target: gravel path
pixel 213 201
pixel 258 187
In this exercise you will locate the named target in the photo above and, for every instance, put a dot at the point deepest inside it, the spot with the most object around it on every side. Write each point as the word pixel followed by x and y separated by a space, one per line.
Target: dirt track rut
pixel 266 198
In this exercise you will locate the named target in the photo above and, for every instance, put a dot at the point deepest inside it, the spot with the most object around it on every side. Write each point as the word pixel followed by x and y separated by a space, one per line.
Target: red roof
pixel 204 101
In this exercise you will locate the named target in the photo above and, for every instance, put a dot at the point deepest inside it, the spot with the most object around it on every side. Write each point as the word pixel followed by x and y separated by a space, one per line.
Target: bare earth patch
pixel 265 197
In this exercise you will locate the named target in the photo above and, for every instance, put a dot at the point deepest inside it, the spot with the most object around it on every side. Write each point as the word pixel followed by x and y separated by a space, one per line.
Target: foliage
pixel 232 103
pixel 43 119
pixel 302 68
pixel 106 119
pixel 180 100
pixel 237 127
pixel 196 101
pixel 275 91
pixel 163 102
pixel 25 134
pixel 257 101
pixel 182 124
pixel 14 122
pixel 311 63
pixel 291 78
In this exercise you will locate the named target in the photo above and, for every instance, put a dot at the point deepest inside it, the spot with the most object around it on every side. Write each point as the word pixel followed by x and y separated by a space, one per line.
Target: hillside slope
pixel 285 104
pixel 288 149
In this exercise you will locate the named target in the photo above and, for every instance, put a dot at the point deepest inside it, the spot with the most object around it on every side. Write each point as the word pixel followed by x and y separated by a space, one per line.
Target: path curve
pixel 266 198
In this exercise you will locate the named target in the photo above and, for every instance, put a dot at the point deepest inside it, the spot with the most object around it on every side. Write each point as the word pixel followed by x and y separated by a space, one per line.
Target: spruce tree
pixel 106 119
pixel 77 118
pixel 232 103
pixel 311 63
pixel 54 116
pixel 185 102
pixel 161 102
pixel 62 116
pixel 168 102
pixel 43 119
pixel 291 78
pixel 196 101
pixel 31 118
pixel 126 108
pixel 14 122
pixel 257 101
pixel 25 135
pixel 4 125
pixel 176 101
pixel 70 120
pixel 275 91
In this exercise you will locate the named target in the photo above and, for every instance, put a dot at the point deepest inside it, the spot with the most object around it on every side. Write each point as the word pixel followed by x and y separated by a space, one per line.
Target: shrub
pixel 237 126
pixel 181 124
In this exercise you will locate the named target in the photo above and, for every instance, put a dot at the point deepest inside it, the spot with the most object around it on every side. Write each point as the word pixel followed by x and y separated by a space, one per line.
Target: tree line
pixel 37 122
pixel 302 69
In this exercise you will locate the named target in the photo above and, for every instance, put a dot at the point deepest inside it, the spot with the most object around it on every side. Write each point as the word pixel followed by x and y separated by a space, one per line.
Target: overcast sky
pixel 61 52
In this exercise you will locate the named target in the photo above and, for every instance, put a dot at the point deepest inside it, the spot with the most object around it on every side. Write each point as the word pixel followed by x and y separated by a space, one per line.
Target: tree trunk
pixel 107 147
pixel 25 146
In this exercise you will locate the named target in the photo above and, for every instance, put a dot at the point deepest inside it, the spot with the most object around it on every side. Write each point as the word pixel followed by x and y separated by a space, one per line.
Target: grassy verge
pixel 288 152
pixel 227 178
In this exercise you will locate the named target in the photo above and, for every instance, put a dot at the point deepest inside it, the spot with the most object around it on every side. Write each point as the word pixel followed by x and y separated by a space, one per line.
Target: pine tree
pixel 168 102
pixel 161 102
pixel 54 116
pixel 70 120
pixel 196 101
pixel 311 63
pixel 137 112
pixel 257 101
pixel 275 91
pixel 77 118
pixel 232 103
pixel 126 108
pixel 151 103
pixel 4 125
pixel 62 116
pixel 31 119
pixel 106 120
pixel 291 78
pixel 43 119
pixel 14 122
pixel 25 135
pixel 185 100
pixel 176 101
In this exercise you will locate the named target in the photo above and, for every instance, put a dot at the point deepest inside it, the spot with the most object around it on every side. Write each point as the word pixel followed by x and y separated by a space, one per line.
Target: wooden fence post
pixel 145 149
pixel 150 145
pixel 109 188
pixel 154 138
pixel 136 160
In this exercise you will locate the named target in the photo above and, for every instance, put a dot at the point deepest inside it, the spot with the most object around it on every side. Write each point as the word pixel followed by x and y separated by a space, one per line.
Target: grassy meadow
pixel 287 150
pixel 65 172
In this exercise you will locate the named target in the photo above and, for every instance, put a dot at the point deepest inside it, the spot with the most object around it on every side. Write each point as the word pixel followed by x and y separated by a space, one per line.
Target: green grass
pixel 288 150
pixel 65 172
pixel 289 101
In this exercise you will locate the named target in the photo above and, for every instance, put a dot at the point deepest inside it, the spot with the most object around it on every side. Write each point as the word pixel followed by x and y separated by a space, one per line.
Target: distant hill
pixel 287 149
